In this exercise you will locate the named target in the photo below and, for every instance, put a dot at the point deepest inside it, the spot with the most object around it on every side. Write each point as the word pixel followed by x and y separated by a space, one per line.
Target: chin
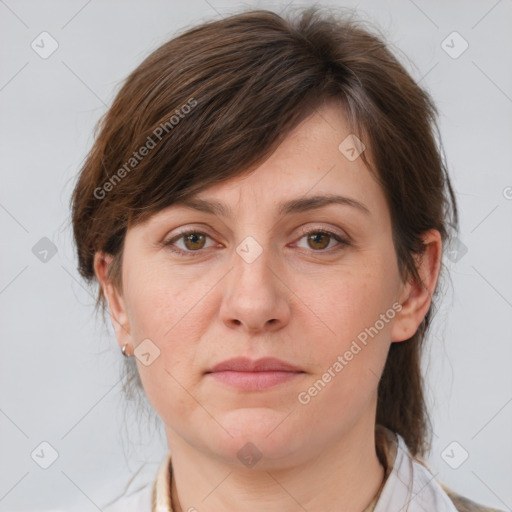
pixel 257 433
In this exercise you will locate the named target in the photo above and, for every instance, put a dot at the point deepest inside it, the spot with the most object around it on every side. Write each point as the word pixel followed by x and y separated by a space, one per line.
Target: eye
pixel 320 239
pixel 194 241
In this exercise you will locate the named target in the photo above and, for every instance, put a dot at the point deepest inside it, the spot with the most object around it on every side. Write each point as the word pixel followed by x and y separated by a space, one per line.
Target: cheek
pixel 174 371
pixel 353 301
pixel 161 311
pixel 176 310
pixel 357 315
pixel 161 301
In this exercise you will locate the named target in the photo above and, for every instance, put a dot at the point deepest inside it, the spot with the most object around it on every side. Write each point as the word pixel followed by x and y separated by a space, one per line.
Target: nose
pixel 256 298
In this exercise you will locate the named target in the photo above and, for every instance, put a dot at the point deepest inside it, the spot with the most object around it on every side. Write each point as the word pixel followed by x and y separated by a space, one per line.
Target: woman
pixel 265 209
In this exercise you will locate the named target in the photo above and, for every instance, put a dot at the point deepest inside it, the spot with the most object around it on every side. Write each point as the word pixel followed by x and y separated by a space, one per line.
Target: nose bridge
pixel 252 261
pixel 253 295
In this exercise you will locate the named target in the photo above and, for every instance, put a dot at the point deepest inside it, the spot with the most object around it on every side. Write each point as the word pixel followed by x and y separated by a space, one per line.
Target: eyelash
pixel 169 244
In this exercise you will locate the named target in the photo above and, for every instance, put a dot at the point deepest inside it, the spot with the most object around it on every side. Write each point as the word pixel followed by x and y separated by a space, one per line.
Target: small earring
pixel 123 350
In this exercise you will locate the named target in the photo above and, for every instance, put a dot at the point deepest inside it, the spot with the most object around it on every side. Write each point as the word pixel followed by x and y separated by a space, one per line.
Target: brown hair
pixel 215 101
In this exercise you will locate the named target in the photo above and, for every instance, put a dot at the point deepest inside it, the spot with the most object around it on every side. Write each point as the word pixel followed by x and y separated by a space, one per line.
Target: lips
pixel 248 375
pixel 244 364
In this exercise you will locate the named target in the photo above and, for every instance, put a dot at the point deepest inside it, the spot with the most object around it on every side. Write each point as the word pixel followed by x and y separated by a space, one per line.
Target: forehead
pixel 312 161
pixel 309 169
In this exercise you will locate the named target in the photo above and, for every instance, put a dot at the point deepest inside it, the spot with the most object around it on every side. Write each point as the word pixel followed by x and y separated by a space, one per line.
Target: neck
pixel 345 476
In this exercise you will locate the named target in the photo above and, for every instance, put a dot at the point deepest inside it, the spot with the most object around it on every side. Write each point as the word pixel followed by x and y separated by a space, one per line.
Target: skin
pixel 300 301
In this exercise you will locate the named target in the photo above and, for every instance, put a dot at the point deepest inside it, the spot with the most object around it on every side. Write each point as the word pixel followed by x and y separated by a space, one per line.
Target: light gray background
pixel 59 369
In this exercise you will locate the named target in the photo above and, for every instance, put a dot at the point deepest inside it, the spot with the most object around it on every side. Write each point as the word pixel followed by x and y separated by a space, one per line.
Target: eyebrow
pixel 292 206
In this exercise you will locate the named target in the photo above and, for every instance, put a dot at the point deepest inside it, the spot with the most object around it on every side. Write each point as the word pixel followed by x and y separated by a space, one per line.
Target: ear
pixel 415 297
pixel 116 304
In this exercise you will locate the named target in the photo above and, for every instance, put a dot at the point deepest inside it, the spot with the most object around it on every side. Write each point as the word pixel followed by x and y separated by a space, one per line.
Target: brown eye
pixel 319 240
pixel 188 243
pixel 194 241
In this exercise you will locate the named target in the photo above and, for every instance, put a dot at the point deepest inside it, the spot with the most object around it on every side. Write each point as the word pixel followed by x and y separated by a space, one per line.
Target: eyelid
pixel 177 236
pixel 305 230
pixel 342 239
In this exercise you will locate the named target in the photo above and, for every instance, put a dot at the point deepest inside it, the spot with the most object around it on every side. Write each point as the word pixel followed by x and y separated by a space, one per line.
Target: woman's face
pixel 261 280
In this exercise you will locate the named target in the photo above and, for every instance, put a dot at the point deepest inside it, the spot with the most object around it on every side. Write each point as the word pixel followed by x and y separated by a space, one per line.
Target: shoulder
pixel 463 504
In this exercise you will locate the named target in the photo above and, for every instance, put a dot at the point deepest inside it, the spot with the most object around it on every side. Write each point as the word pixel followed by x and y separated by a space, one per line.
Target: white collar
pixel 411 487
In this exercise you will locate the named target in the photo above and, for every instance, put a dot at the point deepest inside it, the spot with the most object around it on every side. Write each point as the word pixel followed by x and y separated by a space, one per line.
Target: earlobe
pixel 415 297
pixel 115 301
